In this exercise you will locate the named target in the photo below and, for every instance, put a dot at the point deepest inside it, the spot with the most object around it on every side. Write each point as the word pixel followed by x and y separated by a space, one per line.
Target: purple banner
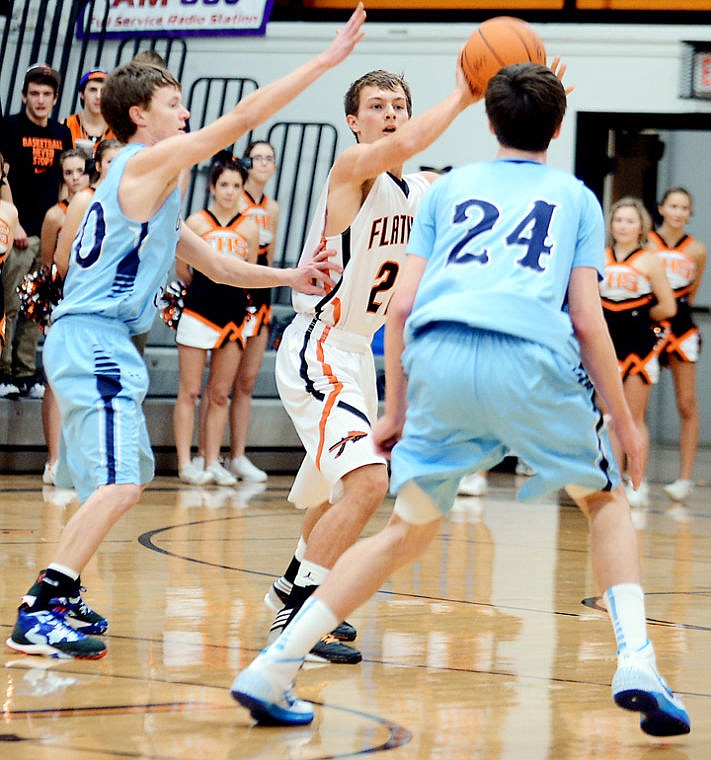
pixel 175 18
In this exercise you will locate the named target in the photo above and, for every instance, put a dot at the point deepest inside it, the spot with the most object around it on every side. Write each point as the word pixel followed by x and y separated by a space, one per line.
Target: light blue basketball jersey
pixel 118 267
pixel 499 260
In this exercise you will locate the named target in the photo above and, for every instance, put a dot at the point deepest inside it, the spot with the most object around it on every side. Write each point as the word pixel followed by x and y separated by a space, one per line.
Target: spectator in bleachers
pixel 213 320
pixel 32 143
pixel 88 126
pixel 260 161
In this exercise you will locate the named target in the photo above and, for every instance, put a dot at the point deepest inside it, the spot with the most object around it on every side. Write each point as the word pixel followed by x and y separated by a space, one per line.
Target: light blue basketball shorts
pixel 99 380
pixel 474 396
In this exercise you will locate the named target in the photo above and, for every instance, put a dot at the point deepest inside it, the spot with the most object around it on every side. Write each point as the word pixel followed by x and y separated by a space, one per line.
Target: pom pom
pixel 40 291
pixel 171 303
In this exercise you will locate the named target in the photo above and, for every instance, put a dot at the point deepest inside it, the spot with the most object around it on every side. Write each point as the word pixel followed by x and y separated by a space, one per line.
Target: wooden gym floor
pixel 492 646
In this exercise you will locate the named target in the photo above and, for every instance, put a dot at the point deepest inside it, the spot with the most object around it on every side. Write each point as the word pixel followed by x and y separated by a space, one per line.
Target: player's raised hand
pixel 468 94
pixel 314 278
pixel 559 69
pixel 346 37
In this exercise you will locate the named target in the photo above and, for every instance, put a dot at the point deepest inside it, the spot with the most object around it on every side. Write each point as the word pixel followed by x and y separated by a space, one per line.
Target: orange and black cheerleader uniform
pixel 683 336
pixel 627 297
pixel 260 300
pixel 223 307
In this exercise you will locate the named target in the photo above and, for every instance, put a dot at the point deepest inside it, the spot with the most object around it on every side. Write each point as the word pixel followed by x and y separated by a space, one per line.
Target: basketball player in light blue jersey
pixel 120 258
pixel 492 341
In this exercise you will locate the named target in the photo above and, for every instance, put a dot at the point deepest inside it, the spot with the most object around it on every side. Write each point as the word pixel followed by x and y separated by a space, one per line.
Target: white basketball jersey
pixel 371 252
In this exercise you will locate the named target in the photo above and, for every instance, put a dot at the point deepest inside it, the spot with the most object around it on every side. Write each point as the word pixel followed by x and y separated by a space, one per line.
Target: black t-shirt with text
pixel 35 173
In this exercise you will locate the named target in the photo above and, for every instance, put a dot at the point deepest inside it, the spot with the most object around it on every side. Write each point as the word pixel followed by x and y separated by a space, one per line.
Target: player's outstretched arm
pixel 312 278
pixel 364 161
pixel 600 362
pixel 171 155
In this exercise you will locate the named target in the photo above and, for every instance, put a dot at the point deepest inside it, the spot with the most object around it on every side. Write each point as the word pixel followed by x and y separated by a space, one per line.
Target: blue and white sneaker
pixel 638 686
pixel 46 632
pixel 79 615
pixel 266 703
pixel 82 618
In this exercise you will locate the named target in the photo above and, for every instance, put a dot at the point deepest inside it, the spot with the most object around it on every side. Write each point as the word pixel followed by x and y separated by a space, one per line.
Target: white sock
pixel 310 574
pixel 625 604
pixel 285 656
pixel 314 620
pixel 300 549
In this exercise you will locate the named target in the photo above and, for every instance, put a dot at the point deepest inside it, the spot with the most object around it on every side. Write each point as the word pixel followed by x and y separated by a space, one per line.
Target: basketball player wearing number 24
pixel 127 242
pixel 491 351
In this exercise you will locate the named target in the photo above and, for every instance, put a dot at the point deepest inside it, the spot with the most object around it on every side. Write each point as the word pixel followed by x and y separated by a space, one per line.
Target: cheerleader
pixel 635 296
pixel 684 259
pixel 213 320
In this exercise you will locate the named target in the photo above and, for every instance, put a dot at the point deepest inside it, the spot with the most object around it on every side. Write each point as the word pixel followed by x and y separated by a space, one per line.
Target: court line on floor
pixel 146 540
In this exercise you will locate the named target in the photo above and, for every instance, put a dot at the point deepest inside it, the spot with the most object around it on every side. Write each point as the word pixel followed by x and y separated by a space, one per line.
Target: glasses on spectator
pixel 263 159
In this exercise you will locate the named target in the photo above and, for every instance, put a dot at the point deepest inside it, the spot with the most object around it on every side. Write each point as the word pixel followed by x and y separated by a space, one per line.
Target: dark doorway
pixel 641 154
pixel 617 154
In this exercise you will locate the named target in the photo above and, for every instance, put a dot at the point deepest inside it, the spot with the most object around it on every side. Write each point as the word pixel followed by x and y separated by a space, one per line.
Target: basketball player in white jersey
pixel 325 370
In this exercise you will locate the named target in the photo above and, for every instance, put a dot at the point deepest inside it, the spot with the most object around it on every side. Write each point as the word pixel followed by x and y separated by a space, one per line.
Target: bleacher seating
pixel 270 427
pixel 272 442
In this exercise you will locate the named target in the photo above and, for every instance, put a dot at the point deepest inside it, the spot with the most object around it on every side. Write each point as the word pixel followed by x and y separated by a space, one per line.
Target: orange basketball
pixel 499 42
